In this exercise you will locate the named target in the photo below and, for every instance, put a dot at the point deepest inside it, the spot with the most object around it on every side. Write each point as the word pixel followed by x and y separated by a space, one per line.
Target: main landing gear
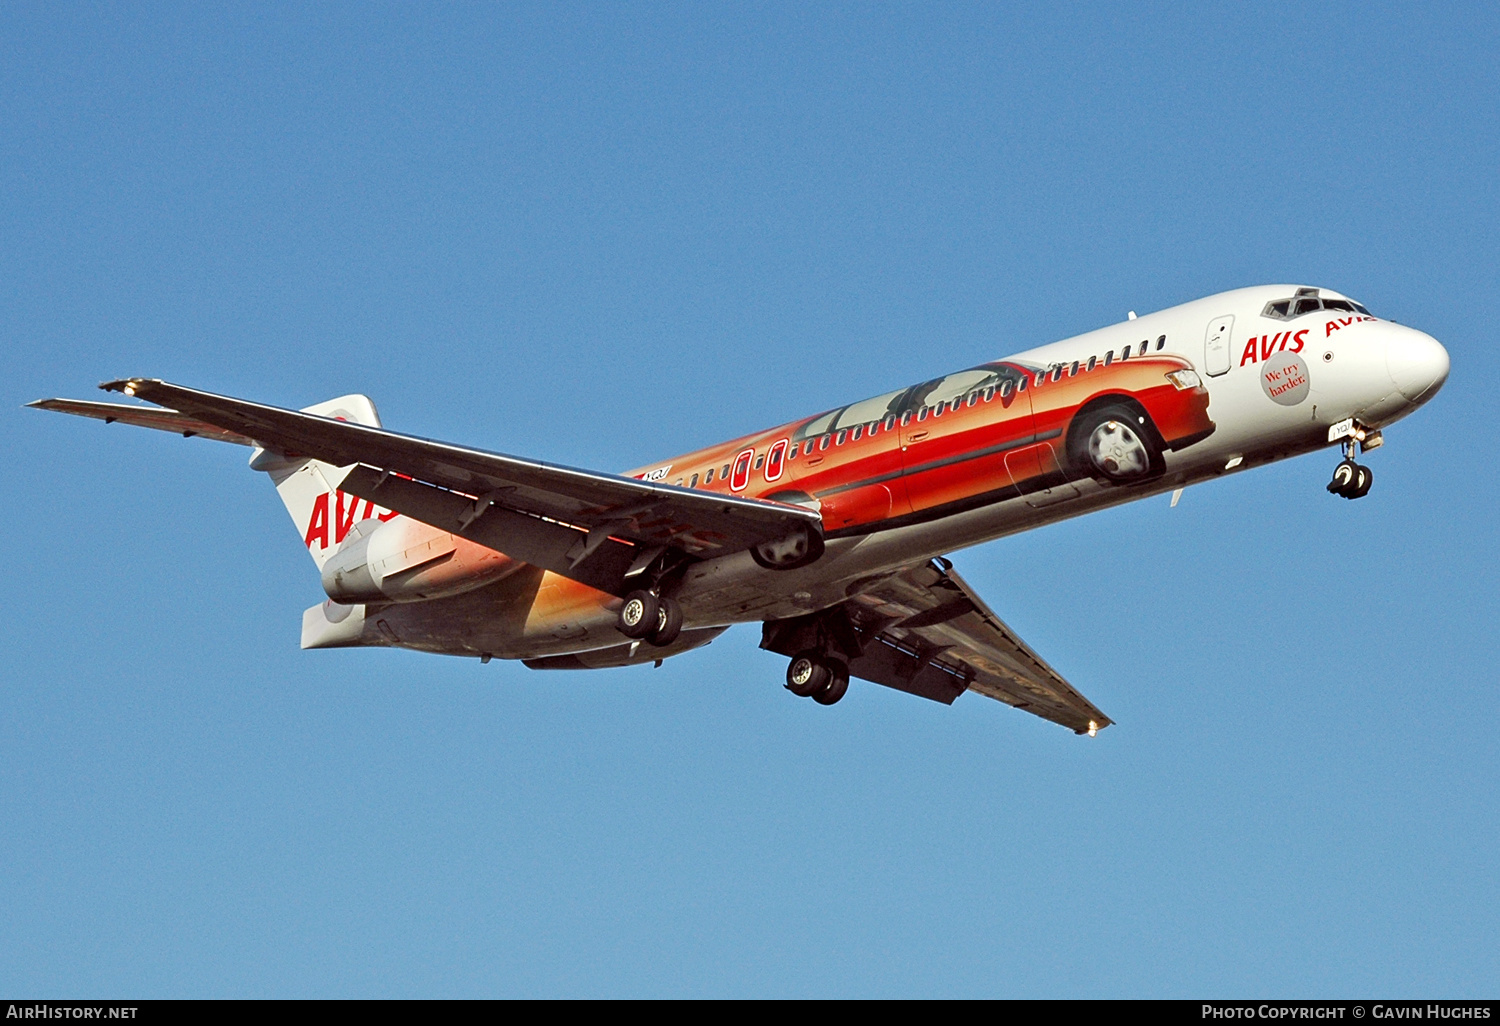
pixel 647 616
pixel 813 675
pixel 1350 480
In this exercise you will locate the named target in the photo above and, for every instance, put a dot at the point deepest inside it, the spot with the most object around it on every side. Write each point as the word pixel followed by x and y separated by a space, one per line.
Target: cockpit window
pixel 1307 301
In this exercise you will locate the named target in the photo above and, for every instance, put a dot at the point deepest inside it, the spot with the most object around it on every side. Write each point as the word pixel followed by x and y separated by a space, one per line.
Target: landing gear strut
pixel 1350 479
pixel 813 675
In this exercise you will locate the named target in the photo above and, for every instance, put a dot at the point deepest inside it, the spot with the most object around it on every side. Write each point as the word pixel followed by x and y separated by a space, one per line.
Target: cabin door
pixel 1216 346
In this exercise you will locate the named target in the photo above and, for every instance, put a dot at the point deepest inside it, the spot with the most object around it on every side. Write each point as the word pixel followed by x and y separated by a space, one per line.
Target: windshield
pixel 1308 301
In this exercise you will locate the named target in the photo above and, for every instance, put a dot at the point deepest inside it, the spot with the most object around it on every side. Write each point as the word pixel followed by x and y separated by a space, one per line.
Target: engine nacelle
pixel 404 560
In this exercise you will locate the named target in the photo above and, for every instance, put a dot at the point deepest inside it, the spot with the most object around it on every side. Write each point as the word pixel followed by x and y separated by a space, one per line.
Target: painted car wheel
pixel 1118 452
pixel 799 548
pixel 1116 443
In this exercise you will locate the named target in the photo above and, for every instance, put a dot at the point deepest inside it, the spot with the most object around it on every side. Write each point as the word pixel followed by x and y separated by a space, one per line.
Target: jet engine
pixel 406 561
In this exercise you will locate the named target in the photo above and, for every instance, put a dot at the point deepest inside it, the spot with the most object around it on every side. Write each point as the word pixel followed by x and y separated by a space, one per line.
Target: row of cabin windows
pixel 1055 373
pixel 974 398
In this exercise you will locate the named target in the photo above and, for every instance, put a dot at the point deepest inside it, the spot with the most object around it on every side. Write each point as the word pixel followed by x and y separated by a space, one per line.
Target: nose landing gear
pixel 1350 479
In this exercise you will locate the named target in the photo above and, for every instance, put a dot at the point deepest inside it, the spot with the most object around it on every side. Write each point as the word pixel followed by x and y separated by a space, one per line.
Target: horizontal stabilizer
pixel 576 521
pixel 143 416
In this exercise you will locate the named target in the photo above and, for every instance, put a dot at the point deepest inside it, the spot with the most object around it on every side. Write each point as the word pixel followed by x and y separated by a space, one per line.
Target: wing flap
pixel 932 610
pixel 925 631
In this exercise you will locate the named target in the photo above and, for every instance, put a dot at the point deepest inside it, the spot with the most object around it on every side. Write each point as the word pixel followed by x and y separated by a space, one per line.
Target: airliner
pixel 831 531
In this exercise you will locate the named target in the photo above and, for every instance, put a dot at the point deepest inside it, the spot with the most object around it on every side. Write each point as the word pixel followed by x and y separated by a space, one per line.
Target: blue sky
pixel 605 234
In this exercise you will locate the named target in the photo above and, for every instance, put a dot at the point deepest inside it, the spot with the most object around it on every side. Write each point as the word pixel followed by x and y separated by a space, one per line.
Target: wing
pixel 593 527
pixel 926 632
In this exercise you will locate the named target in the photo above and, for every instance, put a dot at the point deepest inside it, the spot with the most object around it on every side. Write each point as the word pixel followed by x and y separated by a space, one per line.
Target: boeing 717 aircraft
pixel 829 531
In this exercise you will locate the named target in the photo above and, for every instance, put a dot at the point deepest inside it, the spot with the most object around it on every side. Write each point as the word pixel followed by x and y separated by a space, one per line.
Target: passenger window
pixel 693 481
pixel 709 477
pixel 774 458
pixel 1144 344
pixel 741 470
pixel 1125 353
pixel 1161 343
pixel 890 422
pixel 1306 306
pixel 937 411
pixel 1092 361
pixel 807 448
pixel 678 482
pixel 989 394
pixel 874 429
pixel 1109 358
pixel 857 433
pixel 1057 373
pixel 839 438
pixel 1005 387
pixel 1021 385
pixel 1074 372
pixel 760 461
pixel 824 442
pixel 921 414
pixel 724 473
pixel 791 453
pixel 906 418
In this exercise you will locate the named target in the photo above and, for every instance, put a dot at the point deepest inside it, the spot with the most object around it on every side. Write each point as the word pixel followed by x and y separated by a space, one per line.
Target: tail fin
pixel 323 514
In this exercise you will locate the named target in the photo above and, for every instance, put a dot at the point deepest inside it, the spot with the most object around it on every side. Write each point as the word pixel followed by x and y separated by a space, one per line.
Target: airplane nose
pixel 1417 363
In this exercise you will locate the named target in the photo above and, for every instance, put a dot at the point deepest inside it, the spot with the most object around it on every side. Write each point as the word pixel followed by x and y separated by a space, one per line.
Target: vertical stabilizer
pixel 309 488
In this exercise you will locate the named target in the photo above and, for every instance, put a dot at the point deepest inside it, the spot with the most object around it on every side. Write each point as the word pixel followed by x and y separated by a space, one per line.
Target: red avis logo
pixel 1258 349
pixel 343 521
pixel 1342 322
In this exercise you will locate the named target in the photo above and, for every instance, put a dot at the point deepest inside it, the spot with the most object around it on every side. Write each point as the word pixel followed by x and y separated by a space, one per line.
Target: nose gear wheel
pixel 1351 480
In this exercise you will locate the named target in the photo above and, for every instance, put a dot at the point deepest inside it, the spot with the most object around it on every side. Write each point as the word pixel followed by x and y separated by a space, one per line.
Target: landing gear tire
pixel 1350 480
pixel 1345 479
pixel 668 623
pixel 1115 443
pixel 639 614
pixel 835 689
pixel 1366 479
pixel 807 674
